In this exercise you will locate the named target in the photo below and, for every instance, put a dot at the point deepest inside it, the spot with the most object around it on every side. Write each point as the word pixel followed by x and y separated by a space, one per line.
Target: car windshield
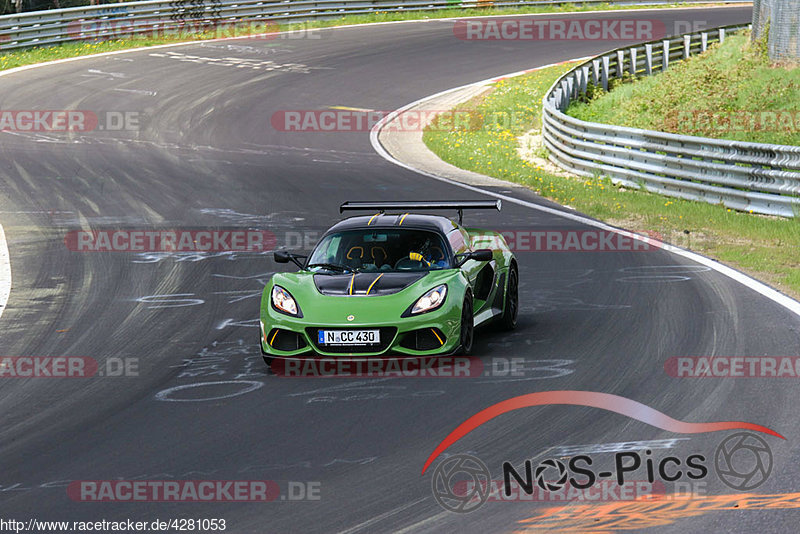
pixel 380 250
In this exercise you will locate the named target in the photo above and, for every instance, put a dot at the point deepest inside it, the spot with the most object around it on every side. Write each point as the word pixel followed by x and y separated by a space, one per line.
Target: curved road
pixel 205 155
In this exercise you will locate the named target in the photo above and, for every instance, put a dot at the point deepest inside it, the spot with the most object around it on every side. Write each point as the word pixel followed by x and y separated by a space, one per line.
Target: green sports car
pixel 400 284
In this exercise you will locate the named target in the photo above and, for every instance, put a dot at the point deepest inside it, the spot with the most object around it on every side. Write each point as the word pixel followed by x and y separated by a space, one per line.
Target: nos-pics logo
pixel 462 483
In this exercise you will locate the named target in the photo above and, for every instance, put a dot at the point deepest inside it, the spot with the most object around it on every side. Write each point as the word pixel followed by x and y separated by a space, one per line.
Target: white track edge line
pixel 757 286
pixel 5 272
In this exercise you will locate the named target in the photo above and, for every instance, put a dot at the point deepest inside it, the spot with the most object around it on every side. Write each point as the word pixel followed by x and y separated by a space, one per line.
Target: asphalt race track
pixel 204 155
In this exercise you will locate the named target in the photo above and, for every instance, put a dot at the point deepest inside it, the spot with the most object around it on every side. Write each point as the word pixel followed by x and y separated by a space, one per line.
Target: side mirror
pixel 482 254
pixel 281 256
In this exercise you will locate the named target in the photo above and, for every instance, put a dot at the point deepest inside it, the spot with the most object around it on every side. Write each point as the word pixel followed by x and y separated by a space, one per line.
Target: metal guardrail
pixel 110 21
pixel 757 177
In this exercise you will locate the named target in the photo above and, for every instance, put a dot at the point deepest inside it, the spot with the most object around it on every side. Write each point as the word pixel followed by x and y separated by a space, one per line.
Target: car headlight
pixel 283 301
pixel 430 300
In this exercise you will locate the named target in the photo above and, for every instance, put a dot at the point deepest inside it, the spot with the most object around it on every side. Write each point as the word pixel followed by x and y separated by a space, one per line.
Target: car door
pixel 459 240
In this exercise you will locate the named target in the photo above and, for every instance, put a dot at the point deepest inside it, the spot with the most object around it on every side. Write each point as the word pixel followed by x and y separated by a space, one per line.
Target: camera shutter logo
pixel 549 485
pixel 743 461
pixel 453 470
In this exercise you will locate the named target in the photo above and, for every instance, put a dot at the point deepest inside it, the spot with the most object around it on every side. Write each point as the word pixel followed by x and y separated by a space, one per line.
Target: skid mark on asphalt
pixel 156 257
pixel 36 137
pixel 377 519
pixel 539 369
pixel 136 91
pixel 548 300
pixel 608 448
pixel 364 390
pixel 94 73
pixel 174 300
pixel 552 300
pixel 241 387
pixel 243 49
pixel 226 369
pixel 235 217
pixel 661 273
pixel 243 323
pixel 238 62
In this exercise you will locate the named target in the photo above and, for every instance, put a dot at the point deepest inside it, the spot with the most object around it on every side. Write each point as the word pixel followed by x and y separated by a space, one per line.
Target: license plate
pixel 349 337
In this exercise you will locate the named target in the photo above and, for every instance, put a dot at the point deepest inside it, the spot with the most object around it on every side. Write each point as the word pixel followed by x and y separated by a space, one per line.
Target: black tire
pixel 467 335
pixel 508 320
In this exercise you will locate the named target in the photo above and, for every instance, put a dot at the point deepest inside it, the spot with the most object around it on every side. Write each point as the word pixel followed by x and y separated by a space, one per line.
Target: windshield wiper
pixel 333 267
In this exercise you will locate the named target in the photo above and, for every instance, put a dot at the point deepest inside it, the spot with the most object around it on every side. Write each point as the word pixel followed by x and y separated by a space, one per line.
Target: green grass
pixel 766 247
pixel 732 93
pixel 17 58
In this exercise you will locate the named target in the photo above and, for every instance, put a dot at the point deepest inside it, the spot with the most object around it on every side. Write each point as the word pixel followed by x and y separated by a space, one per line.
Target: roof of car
pixel 436 223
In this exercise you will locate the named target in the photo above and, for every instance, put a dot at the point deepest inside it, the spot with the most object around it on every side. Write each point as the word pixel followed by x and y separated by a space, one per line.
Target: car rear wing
pixel 459 205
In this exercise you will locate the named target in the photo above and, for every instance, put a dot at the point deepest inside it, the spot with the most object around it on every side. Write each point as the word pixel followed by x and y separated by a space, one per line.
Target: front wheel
pixel 467 326
pixel 509 319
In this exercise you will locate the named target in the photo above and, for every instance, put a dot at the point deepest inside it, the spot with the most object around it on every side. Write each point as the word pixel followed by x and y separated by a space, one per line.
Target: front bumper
pixel 433 333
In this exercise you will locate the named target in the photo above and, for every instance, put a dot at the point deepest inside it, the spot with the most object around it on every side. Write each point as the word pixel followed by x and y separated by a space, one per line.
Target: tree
pixel 779 22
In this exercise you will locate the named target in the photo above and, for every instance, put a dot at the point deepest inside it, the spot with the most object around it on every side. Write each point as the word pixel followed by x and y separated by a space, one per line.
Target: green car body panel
pixel 361 307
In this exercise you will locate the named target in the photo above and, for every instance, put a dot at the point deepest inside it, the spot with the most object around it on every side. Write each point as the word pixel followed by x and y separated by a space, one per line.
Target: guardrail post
pixel 595 71
pixel 633 62
pixel 620 63
pixel 704 41
pixel 564 94
pixel 721 35
pixel 584 78
pixel 558 98
pixel 62 27
pixel 556 101
pixel 665 56
pixel 604 73
pixel 687 43
pixel 648 59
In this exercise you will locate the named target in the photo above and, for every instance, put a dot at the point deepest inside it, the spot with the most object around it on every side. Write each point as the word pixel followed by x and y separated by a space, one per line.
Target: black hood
pixel 388 283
